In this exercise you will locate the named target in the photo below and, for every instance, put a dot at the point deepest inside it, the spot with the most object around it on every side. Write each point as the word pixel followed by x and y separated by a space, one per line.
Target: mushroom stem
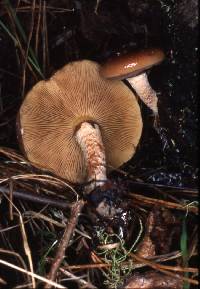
pixel 90 141
pixel 143 89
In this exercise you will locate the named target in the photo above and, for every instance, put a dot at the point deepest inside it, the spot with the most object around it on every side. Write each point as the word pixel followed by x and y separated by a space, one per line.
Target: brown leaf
pixel 146 248
pixel 160 230
pixel 152 280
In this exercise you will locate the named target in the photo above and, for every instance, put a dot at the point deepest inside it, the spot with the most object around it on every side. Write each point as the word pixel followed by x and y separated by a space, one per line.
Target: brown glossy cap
pixel 131 64
pixel 54 109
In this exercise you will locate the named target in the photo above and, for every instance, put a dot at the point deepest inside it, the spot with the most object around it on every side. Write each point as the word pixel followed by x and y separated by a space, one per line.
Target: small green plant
pixel 48 238
pixel 114 253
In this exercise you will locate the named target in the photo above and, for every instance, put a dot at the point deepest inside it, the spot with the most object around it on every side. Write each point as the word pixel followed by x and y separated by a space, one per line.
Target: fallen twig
pixel 60 255
pixel 160 268
pixel 10 265
pixel 46 200
pixel 79 280
pixel 148 201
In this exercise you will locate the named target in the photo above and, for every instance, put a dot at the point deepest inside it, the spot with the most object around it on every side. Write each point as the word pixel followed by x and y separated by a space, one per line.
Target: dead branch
pixel 46 200
pixel 60 255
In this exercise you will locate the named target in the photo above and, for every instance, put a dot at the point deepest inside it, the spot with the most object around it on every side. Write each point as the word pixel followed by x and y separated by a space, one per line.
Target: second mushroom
pixel 76 124
pixel 132 67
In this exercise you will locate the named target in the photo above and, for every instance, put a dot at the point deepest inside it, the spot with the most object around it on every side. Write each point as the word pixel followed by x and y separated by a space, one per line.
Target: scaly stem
pixel 143 89
pixel 90 141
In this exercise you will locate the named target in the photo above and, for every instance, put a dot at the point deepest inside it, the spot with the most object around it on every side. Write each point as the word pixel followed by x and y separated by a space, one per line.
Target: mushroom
pixel 132 66
pixel 77 123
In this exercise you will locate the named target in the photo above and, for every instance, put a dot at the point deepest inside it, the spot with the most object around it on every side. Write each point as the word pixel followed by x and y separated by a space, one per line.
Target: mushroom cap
pixel 53 110
pixel 131 64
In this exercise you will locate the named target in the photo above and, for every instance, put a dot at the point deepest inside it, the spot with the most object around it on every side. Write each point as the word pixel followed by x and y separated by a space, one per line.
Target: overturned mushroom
pixel 77 123
pixel 132 66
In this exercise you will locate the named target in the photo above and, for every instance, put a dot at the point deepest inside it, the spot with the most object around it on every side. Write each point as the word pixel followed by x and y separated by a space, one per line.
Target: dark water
pixel 169 157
